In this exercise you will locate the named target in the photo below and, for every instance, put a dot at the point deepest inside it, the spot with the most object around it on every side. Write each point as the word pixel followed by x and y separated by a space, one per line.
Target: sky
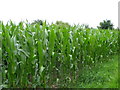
pixel 90 12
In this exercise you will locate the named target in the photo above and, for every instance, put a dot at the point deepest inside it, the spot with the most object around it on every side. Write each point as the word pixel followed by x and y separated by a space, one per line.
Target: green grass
pixel 103 75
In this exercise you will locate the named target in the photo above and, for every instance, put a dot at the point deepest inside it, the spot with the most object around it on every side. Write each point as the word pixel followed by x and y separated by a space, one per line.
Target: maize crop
pixel 39 56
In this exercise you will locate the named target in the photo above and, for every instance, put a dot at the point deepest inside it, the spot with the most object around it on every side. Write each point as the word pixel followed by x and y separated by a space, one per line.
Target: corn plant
pixel 47 55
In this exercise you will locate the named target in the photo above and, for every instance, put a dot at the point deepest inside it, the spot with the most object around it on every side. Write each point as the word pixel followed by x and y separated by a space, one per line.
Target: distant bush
pixel 62 24
pixel 106 24
pixel 37 22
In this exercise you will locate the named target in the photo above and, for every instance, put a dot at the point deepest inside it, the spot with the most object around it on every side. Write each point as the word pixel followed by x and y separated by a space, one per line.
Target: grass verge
pixel 102 75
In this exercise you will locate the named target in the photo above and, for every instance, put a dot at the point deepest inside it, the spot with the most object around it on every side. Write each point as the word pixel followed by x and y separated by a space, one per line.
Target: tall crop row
pixel 0 53
pixel 39 56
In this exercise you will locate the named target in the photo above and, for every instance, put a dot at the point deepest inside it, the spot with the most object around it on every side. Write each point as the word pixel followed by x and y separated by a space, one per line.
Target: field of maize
pixel 48 55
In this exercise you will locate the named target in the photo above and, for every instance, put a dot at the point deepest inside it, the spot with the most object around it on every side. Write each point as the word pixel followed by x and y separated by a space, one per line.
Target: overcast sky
pixel 72 11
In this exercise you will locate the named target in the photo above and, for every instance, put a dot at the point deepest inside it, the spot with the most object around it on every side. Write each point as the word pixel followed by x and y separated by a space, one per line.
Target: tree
pixel 106 24
pixel 37 22
pixel 62 24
